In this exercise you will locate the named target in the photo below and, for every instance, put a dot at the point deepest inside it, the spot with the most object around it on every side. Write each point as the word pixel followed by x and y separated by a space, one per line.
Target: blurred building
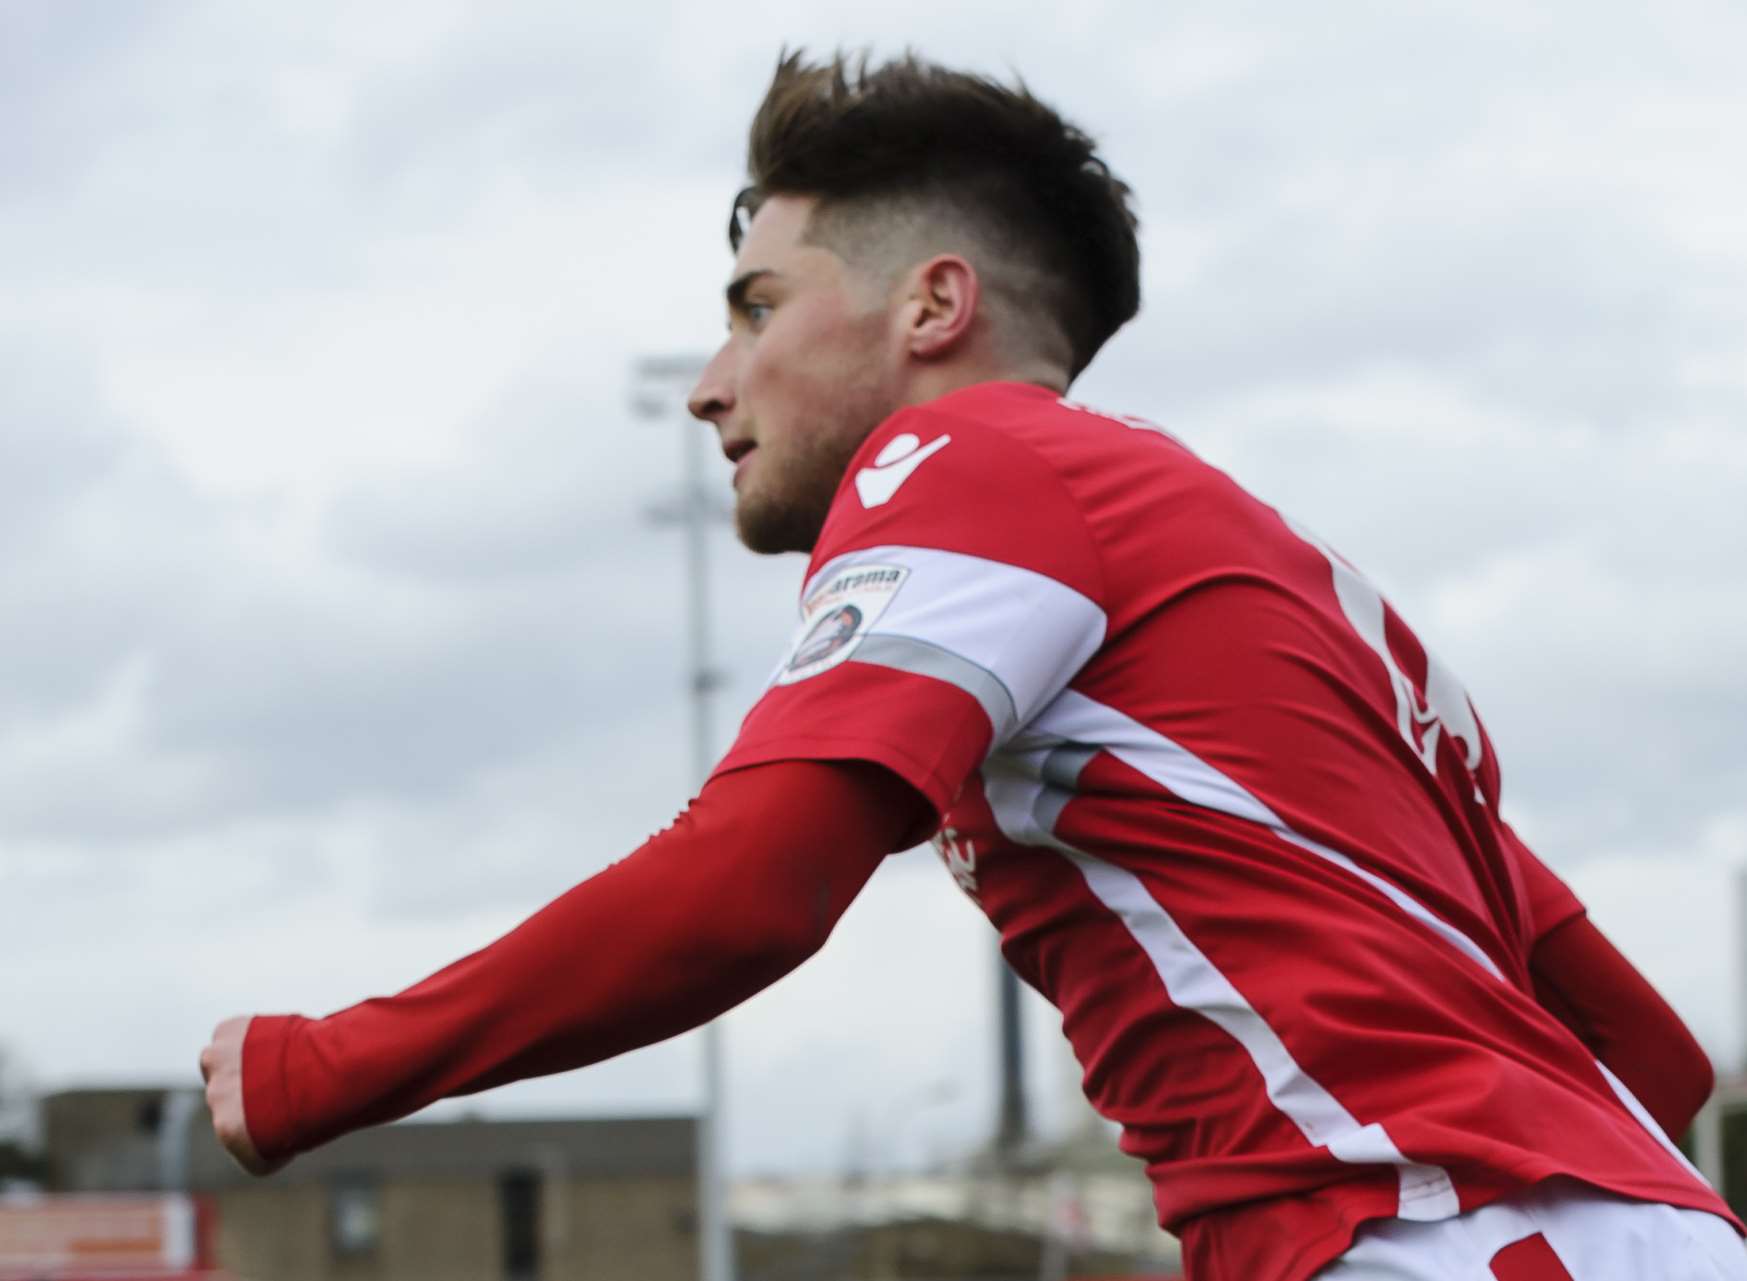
pixel 467 1200
pixel 476 1200
pixel 1004 1224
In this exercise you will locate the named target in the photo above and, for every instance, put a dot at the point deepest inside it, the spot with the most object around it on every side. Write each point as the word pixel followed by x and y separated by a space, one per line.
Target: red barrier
pixel 110 1237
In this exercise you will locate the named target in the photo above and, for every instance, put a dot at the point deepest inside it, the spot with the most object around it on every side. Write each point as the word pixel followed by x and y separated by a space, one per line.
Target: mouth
pixel 739 453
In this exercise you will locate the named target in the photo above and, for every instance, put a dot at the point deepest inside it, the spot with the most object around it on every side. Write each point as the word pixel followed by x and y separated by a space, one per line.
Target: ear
pixel 944 296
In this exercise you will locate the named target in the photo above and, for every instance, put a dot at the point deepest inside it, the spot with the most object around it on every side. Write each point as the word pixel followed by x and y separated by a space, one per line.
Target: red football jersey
pixel 1227 813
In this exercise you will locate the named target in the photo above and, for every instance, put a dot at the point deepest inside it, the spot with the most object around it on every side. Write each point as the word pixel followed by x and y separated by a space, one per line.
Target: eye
pixel 744 313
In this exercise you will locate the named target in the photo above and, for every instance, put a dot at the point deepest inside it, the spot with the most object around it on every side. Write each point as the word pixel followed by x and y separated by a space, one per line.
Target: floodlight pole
pixel 660 383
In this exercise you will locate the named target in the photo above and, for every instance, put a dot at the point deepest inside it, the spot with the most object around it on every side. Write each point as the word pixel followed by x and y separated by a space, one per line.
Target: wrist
pixel 268 1111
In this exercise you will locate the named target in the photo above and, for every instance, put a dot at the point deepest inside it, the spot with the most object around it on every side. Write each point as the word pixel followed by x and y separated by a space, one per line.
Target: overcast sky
pixel 334 635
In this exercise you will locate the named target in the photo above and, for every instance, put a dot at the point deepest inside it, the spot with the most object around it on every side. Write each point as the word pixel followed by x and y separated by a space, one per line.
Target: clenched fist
pixel 221 1065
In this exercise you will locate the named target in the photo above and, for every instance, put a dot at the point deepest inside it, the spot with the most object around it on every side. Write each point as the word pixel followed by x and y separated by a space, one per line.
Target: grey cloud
pixel 59 442
pixel 1539 304
pixel 556 474
pixel 274 693
pixel 1434 188
pixel 370 694
pixel 515 101
pixel 64 75
pixel 94 526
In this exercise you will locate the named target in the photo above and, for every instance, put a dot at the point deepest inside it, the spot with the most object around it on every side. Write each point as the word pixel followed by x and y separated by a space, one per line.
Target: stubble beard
pixel 784 510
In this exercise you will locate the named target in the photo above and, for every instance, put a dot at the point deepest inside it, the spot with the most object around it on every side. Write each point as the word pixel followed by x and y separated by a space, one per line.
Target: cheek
pixel 786 385
pixel 786 356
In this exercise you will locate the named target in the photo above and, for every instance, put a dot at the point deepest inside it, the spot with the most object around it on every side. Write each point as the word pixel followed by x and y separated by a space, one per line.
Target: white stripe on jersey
pixel 1027 632
pixel 1643 1118
pixel 1027 798
pixel 1075 718
pixel 1023 805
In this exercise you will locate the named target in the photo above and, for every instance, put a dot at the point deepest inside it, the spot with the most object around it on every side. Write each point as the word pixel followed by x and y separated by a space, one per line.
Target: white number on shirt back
pixel 1446 709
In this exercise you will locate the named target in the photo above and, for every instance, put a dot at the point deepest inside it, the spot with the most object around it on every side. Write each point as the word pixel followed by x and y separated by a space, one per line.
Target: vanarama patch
pixel 835 618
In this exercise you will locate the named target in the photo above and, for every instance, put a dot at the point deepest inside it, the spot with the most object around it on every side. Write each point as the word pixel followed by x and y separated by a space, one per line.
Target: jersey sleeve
pixel 955 590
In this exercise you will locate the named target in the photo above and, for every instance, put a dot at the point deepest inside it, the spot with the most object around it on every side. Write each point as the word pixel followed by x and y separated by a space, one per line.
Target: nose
pixel 713 397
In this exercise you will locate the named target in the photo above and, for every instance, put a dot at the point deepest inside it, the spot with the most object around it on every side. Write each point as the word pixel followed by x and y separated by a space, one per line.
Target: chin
pixel 769 527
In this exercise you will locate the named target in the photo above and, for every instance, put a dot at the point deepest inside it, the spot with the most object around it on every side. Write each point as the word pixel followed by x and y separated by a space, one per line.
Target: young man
pixel 1225 810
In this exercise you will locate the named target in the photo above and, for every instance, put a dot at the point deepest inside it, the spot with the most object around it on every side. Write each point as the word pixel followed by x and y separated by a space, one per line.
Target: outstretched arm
pixel 1584 982
pixel 744 886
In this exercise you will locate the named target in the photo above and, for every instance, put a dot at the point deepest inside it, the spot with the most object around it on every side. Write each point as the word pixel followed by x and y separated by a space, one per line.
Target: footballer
pixel 1226 811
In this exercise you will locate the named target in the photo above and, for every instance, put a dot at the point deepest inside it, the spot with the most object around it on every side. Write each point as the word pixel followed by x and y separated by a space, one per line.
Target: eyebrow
pixel 737 287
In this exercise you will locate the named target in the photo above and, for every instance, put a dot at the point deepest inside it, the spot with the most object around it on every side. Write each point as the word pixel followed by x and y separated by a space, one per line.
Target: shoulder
pixel 975 474
pixel 1002 433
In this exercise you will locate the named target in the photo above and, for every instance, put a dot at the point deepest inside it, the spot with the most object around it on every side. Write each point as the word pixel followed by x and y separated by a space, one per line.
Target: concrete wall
pixel 103 1140
pixel 451 1230
pixel 645 1229
pixel 269 1233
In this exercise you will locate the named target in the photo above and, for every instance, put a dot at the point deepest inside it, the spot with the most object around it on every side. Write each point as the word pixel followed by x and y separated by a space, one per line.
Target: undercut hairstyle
pixel 910 158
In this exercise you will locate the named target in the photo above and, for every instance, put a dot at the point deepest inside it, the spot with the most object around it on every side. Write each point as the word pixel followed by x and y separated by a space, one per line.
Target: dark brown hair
pixel 870 141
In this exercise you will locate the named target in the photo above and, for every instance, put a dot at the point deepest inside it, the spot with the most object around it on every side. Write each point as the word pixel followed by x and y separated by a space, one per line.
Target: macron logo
pixel 901 456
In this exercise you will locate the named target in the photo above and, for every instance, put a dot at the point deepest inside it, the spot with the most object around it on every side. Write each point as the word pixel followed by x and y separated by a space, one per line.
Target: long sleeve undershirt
pixel 1584 982
pixel 745 885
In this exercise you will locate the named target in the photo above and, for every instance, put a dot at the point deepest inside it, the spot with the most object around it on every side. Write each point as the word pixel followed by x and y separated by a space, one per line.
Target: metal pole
pixel 656 377
pixel 698 578
pixel 1011 1122
pixel 716 1243
pixel 175 1129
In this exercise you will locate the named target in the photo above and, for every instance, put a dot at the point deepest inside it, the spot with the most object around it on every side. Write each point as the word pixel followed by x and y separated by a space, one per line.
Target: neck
pixel 930 382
